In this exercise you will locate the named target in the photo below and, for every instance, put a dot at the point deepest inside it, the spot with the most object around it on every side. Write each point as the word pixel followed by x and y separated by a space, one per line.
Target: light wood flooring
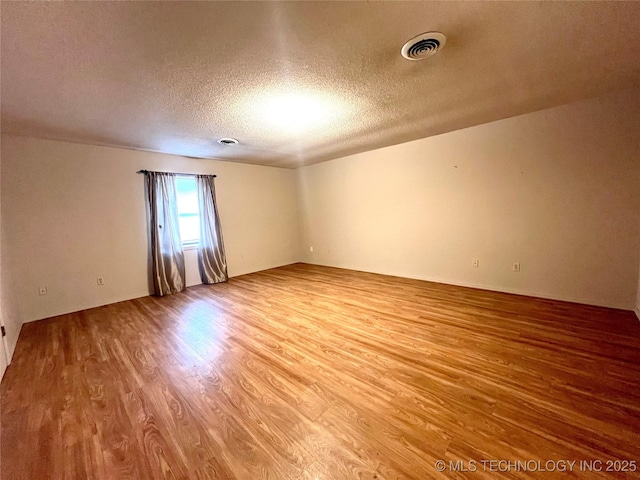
pixel 309 372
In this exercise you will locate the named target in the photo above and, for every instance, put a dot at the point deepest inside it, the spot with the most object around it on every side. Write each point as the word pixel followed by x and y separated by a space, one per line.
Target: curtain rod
pixel 182 174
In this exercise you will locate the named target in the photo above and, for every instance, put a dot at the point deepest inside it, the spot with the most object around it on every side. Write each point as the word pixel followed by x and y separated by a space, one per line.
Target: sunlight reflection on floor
pixel 202 334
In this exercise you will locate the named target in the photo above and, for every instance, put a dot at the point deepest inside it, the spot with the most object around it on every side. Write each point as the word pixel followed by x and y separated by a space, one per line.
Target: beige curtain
pixel 167 258
pixel 211 257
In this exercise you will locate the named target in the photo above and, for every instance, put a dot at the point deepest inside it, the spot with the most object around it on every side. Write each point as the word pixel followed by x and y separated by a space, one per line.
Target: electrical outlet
pixel 476 262
pixel 100 281
pixel 516 267
pixel 311 249
pixel 42 290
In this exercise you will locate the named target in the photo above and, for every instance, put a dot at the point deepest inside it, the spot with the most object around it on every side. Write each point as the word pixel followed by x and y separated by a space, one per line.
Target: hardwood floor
pixel 308 372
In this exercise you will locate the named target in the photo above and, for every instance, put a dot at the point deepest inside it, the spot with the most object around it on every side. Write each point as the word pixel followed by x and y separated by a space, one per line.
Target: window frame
pixel 188 244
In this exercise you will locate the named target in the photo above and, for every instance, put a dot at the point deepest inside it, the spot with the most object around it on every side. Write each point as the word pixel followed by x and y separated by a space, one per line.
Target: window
pixel 188 211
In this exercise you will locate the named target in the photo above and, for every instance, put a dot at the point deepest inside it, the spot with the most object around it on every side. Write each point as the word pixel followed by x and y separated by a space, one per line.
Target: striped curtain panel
pixel 165 245
pixel 211 258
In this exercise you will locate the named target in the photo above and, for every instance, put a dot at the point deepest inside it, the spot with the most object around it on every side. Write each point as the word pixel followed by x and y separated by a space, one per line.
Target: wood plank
pixel 310 372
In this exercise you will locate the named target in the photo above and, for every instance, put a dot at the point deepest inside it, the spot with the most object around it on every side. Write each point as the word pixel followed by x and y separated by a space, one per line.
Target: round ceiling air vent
pixel 228 141
pixel 424 46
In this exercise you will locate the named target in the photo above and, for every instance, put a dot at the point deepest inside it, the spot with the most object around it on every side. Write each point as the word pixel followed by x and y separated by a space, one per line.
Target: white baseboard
pixel 262 268
pixel 493 288
pixel 11 347
pixel 134 295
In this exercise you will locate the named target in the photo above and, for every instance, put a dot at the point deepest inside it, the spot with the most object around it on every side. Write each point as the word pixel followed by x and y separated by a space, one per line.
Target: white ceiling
pixel 173 77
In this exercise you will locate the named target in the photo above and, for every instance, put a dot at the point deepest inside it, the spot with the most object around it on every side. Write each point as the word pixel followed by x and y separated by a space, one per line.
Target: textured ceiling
pixel 173 77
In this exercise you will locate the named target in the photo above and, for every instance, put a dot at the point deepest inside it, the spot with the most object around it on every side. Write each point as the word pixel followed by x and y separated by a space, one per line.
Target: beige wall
pixel 554 190
pixel 8 343
pixel 71 213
